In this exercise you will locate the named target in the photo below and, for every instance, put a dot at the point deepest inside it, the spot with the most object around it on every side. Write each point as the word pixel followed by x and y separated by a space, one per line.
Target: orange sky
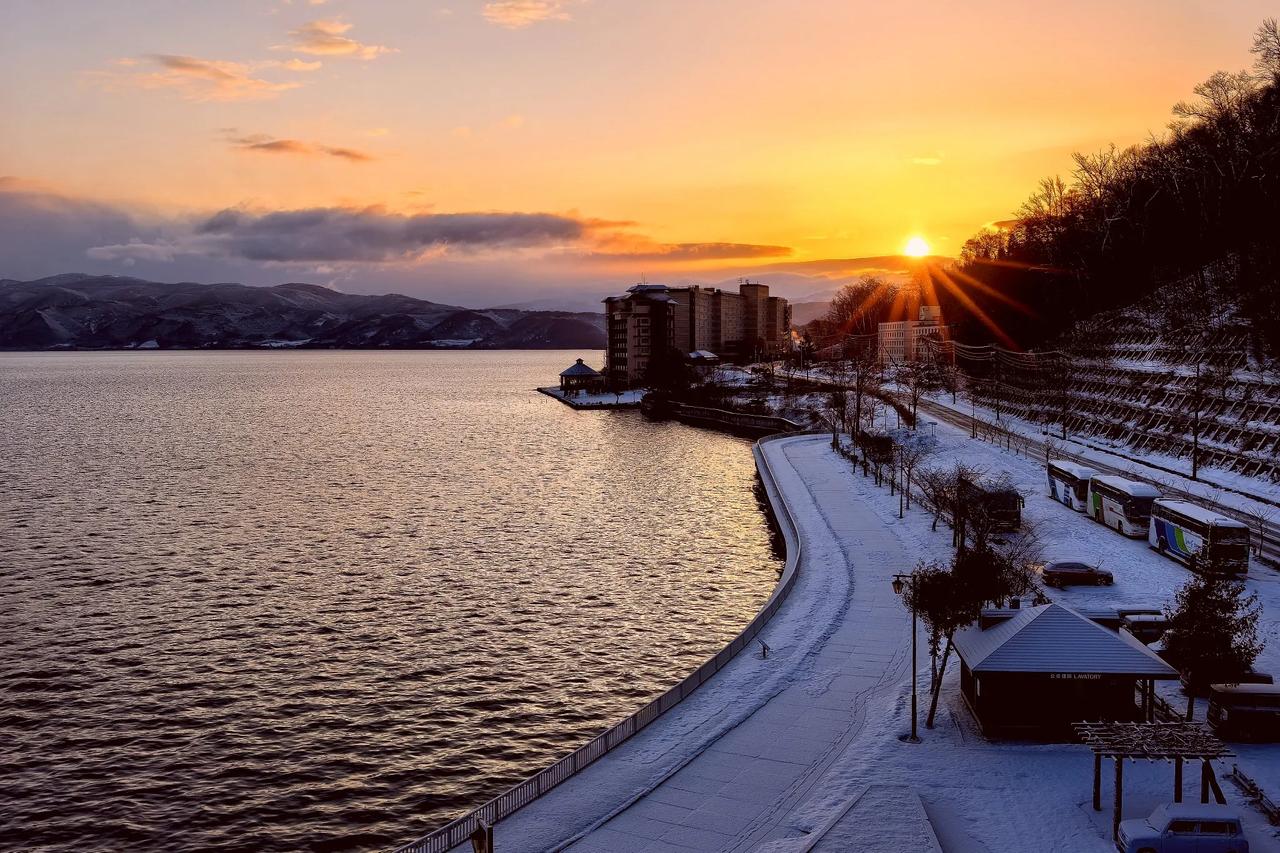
pixel 794 131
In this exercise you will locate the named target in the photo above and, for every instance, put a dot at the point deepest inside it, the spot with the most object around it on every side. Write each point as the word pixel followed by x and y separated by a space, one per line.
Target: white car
pixel 1184 828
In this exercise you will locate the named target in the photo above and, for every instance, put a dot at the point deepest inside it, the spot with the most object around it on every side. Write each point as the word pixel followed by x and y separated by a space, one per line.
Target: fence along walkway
pixel 522 793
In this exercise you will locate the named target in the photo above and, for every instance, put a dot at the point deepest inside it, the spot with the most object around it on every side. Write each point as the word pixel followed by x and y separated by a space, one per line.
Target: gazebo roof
pixel 579 369
pixel 1055 639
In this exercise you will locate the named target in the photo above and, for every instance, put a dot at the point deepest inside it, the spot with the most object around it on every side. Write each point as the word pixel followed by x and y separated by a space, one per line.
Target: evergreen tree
pixel 1213 630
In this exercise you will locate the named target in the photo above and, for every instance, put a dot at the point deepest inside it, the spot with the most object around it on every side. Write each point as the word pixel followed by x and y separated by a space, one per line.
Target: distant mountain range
pixel 76 311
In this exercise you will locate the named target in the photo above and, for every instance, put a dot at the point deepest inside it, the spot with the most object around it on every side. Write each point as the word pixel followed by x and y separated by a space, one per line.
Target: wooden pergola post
pixel 1177 741
pixel 1119 803
pixel 1097 782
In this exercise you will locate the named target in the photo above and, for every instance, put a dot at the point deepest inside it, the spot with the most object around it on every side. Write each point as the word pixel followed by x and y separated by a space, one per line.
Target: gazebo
pixel 577 378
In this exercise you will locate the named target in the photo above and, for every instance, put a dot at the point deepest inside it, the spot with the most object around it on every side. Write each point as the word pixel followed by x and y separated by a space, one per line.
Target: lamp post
pixel 899 583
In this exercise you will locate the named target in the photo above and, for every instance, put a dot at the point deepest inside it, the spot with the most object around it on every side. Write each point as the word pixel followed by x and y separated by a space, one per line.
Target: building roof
pixel 1055 639
pixel 703 355
pixel 579 369
pixel 1199 513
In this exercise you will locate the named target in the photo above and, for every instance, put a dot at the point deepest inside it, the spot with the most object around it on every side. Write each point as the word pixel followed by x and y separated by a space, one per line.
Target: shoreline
pixel 454 835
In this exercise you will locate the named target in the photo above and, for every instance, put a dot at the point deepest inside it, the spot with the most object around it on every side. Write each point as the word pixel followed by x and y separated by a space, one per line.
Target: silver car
pixel 1184 828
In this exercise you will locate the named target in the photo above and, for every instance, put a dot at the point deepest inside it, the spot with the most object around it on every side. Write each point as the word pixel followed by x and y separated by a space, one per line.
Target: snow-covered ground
pixel 773 752
pixel 627 399
pixel 1142 576
pixel 1225 487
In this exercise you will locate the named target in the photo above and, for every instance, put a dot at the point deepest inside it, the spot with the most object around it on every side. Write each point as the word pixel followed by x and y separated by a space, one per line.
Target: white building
pixel 899 341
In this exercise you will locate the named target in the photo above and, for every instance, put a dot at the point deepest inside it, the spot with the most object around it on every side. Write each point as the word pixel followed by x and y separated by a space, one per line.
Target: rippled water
pixel 280 601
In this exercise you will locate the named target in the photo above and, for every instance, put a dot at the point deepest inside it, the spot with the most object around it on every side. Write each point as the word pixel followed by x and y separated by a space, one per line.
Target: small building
pixel 577 378
pixel 1041 669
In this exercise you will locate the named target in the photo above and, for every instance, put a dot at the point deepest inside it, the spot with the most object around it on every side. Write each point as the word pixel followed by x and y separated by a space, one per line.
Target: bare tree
pixel 835 412
pixel 1057 377
pixel 1261 515
pixel 934 488
pixel 1201 399
pixel 910 453
pixel 916 378
pixel 864 376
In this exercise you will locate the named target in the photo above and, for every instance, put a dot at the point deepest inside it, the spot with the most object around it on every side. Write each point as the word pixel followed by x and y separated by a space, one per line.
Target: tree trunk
pixel 1191 705
pixel 937 685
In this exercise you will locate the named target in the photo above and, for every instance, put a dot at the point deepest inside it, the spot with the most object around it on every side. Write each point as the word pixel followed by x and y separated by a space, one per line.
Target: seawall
pixel 577 794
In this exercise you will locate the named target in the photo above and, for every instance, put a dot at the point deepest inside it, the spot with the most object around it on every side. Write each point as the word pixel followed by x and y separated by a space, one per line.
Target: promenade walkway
pixel 739 765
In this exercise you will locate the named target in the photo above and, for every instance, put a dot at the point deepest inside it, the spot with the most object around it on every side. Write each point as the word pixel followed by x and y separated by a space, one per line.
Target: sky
pixel 549 152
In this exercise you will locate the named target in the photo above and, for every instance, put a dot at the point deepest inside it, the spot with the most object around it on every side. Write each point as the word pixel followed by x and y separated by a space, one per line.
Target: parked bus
pixel 1185 532
pixel 1245 711
pixel 1069 483
pixel 1002 505
pixel 1122 504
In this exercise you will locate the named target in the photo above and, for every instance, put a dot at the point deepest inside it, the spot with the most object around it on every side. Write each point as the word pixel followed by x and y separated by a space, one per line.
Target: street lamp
pixel 900 583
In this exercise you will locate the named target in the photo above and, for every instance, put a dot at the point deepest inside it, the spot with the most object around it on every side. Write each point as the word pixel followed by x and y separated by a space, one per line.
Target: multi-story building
pixel 654 321
pixel 641 328
pixel 899 341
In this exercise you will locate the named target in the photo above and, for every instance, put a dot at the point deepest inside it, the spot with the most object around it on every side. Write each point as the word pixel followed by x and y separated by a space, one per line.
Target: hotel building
pixel 652 322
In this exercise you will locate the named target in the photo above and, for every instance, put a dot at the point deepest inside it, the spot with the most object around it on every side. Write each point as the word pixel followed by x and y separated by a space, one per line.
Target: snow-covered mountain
pixel 112 312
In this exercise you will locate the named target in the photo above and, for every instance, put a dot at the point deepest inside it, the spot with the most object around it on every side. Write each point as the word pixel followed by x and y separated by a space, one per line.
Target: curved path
pixel 738 765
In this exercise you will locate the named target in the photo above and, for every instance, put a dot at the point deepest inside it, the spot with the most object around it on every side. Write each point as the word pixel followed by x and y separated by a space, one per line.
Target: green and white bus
pixel 1124 505
pixel 1069 483
pixel 1188 533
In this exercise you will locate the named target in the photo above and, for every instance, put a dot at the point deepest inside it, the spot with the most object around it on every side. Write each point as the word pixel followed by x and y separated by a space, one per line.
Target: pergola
pixel 1177 742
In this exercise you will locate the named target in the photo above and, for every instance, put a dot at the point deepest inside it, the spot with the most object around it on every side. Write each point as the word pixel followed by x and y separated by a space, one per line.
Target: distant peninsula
pixel 78 311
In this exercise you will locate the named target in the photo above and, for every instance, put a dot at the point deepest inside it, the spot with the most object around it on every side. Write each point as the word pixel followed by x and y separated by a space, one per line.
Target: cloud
pixel 200 79
pixel 135 250
pixel 476 258
pixel 926 161
pixel 269 145
pixel 699 252
pixel 294 64
pixel 518 14
pixel 43 232
pixel 326 38
pixel 346 154
pixel 336 234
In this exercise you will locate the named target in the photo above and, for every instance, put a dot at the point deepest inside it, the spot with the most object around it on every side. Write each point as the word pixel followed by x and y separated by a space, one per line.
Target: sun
pixel 916 247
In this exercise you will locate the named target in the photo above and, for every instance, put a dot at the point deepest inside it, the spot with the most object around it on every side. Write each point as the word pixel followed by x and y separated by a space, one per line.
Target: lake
pixel 330 600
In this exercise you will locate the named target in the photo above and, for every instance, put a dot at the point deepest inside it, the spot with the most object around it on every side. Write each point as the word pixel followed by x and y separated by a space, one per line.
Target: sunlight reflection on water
pixel 280 601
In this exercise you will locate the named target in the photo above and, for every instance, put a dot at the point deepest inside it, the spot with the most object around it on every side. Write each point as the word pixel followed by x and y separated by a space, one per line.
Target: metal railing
pixel 740 420
pixel 1256 795
pixel 522 793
